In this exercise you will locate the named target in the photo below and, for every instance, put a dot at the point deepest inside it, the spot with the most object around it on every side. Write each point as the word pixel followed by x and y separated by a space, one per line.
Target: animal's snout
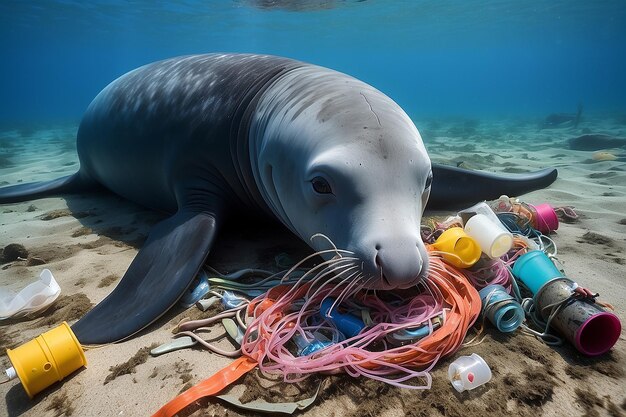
pixel 398 264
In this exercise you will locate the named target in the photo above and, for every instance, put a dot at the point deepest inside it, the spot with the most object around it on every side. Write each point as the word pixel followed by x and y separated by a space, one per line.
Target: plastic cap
pixel 11 374
pixel 468 372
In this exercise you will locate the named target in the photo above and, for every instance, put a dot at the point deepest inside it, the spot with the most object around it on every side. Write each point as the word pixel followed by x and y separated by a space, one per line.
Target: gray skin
pixel 203 137
pixel 321 123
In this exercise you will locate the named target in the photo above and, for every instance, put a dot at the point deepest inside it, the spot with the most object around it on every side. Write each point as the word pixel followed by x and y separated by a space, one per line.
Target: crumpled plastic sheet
pixel 34 297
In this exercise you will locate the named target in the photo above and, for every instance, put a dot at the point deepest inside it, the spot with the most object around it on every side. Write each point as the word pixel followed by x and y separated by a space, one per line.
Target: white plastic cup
pixel 468 372
pixel 480 208
pixel 492 238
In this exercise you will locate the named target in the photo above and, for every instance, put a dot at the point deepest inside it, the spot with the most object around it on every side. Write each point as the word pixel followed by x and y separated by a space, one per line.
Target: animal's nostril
pixel 398 266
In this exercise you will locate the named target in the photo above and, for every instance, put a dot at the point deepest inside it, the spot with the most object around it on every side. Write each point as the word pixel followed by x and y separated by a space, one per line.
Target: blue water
pixel 440 58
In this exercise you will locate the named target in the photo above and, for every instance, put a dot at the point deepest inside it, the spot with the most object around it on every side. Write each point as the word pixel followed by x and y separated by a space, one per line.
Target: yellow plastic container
pixel 458 248
pixel 46 359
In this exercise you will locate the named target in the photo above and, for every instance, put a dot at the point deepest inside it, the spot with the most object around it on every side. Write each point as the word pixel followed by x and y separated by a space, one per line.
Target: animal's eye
pixel 321 186
pixel 429 181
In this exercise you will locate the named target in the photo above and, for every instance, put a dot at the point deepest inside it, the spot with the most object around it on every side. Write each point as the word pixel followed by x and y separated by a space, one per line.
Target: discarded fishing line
pixel 382 335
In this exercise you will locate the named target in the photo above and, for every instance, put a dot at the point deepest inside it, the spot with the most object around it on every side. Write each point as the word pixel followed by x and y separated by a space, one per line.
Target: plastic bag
pixel 34 297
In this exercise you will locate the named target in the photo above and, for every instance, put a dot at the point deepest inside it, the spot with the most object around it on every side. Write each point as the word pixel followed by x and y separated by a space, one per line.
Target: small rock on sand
pixel 13 251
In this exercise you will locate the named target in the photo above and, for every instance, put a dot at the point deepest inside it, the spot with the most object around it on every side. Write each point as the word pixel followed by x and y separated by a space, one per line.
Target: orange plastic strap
pixel 210 386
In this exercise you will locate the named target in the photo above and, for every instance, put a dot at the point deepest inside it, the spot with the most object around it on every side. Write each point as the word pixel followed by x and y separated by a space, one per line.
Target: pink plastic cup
pixel 547 220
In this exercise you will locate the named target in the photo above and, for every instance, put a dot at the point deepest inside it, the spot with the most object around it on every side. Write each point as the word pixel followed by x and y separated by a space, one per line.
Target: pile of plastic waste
pixel 493 262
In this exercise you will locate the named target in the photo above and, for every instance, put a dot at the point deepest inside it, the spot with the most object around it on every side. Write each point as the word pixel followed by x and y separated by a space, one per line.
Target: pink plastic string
pixel 494 272
pixel 269 338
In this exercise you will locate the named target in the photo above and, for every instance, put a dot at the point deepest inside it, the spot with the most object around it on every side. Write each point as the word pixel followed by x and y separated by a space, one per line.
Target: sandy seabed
pixel 89 240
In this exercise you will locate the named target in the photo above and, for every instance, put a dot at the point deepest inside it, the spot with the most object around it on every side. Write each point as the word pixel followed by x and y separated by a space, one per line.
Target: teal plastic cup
pixel 535 269
pixel 501 308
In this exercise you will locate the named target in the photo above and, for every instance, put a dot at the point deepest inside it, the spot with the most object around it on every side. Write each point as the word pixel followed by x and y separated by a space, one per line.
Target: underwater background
pixel 478 59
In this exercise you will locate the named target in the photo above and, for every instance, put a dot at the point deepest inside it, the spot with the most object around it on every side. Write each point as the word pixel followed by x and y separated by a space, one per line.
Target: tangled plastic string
pixel 289 313
pixel 491 272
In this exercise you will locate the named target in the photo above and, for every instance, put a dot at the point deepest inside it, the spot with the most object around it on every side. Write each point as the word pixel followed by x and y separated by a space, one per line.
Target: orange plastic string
pixel 460 298
pixel 210 386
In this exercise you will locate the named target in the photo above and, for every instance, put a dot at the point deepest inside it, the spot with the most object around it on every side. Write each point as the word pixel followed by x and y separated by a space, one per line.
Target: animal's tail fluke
pixel 65 185
pixel 457 187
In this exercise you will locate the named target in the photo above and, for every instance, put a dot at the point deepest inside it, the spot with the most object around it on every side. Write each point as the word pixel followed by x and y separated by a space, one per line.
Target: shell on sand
pixel 603 156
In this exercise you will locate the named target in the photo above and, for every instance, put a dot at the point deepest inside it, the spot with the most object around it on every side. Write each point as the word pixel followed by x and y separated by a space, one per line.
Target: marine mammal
pixel 561 120
pixel 202 137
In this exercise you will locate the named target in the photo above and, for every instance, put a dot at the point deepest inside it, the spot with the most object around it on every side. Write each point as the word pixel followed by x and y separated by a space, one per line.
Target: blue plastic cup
pixel 501 308
pixel 535 269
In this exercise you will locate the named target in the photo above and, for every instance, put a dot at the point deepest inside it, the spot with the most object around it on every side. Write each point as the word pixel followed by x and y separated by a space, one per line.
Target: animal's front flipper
pixel 158 276
pixel 456 187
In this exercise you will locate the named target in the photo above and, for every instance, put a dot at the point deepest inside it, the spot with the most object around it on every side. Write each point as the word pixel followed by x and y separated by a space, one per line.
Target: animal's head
pixel 339 158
